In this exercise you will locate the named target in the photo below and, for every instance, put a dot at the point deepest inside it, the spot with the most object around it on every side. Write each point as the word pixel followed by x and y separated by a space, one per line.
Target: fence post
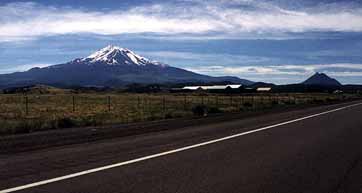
pixel 26 105
pixel 73 103
pixel 139 107
pixel 163 104
pixel 202 99
pixel 231 100
pixel 145 106
pixel 217 101
pixel 261 100
pixel 109 103
pixel 279 98
pixel 253 102
pixel 185 102
pixel 138 103
pixel 127 118
pixel 270 99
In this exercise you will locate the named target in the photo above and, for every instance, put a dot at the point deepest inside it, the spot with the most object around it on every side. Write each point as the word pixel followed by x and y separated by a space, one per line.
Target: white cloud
pixel 338 70
pixel 205 58
pixel 21 21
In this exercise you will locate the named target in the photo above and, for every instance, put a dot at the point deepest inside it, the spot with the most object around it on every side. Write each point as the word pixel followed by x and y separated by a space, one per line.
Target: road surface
pixel 312 150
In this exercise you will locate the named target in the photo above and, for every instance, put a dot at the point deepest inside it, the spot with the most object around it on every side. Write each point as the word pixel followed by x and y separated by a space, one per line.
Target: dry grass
pixel 21 114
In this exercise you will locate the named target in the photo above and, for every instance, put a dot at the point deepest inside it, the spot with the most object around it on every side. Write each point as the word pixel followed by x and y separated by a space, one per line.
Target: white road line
pixel 165 153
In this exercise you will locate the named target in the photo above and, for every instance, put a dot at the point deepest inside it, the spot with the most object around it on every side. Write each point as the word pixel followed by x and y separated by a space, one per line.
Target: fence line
pixel 130 107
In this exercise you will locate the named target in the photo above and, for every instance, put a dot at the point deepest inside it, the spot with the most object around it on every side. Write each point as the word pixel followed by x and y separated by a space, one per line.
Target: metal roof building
pixel 264 89
pixel 214 87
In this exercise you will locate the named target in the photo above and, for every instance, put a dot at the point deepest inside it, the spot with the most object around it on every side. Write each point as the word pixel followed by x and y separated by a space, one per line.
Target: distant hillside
pixel 262 84
pixel 305 88
pixel 321 79
pixel 36 89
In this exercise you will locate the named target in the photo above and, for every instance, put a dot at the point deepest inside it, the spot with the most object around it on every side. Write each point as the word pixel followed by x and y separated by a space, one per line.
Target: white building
pixel 263 89
pixel 214 87
pixel 191 88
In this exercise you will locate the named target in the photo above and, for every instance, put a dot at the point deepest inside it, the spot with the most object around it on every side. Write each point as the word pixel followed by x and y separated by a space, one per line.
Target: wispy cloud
pixel 22 21
pixel 205 58
pixel 337 70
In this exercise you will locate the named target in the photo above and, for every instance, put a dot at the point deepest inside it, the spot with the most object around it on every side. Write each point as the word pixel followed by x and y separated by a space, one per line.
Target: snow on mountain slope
pixel 114 55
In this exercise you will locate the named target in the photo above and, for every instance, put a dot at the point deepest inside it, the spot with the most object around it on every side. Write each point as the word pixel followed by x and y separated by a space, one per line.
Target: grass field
pixel 29 113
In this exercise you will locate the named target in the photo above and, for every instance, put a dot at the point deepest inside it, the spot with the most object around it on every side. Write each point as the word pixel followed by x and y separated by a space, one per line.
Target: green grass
pixel 23 114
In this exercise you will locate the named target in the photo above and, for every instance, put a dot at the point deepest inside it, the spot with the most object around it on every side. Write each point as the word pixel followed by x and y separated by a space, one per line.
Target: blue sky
pixel 278 41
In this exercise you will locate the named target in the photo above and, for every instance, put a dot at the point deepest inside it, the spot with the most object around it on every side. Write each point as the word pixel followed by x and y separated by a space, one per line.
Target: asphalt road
pixel 283 152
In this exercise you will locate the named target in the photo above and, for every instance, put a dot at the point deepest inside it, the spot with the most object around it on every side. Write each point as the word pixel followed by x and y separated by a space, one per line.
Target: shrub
pixel 175 114
pixel 153 117
pixel 332 99
pixel 317 101
pixel 22 127
pixel 230 109
pixel 65 122
pixel 89 121
pixel 248 105
pixel 200 110
pixel 275 103
pixel 28 125
pixel 290 102
pixel 168 115
pixel 213 110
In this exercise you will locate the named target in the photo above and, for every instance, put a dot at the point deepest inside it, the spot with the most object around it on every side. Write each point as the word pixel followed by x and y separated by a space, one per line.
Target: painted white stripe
pixel 165 153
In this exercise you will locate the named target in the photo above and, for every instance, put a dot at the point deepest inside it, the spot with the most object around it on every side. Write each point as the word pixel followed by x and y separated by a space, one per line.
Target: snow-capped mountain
pixel 110 66
pixel 114 55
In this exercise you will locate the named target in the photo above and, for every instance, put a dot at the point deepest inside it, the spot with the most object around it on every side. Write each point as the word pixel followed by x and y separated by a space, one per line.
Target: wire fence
pixel 48 111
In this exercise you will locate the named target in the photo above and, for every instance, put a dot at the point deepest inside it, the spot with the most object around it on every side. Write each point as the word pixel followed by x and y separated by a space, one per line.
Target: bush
pixel 175 114
pixel 290 102
pixel 23 127
pixel 65 122
pixel 317 101
pixel 230 109
pixel 200 110
pixel 153 117
pixel 248 105
pixel 275 103
pixel 28 126
pixel 214 110
pixel 332 99
pixel 90 121
pixel 168 115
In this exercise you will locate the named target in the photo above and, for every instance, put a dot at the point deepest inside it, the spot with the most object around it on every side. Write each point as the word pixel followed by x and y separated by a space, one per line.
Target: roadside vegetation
pixel 20 113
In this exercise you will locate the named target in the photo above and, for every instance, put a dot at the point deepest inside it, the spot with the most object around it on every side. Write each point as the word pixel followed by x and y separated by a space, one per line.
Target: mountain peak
pixel 114 55
pixel 321 79
pixel 110 66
